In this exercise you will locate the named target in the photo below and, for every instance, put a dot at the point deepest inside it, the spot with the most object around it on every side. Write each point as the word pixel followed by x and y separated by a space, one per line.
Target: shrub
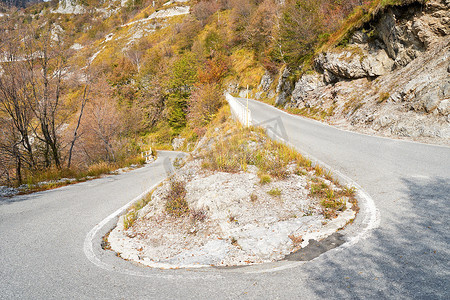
pixel 198 215
pixel 274 192
pixel 204 9
pixel 176 204
pixel 301 24
pixel 265 178
pixel 133 212
pixel 129 219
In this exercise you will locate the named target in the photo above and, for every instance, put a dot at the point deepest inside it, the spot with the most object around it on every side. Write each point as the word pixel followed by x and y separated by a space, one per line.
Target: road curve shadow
pixel 408 258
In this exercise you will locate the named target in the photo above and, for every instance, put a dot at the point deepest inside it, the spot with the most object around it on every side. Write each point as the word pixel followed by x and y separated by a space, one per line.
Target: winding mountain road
pixel 50 241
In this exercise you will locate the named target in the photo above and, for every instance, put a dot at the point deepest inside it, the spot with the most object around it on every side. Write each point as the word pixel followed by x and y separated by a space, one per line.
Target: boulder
pixel 431 101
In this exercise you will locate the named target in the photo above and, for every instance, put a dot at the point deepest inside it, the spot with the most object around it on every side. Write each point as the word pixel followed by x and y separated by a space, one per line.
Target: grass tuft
pixel 176 204
pixel 133 212
pixel 274 192
pixel 265 178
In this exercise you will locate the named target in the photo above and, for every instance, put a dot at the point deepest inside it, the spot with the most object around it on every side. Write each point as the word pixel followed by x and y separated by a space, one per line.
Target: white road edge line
pixel 371 215
pixel 88 241
pixel 371 218
pixel 345 130
pixel 88 247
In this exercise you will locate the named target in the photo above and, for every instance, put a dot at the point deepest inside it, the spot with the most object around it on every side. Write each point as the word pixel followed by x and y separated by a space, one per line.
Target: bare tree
pixel 13 103
pixel 135 55
pixel 103 122
pixel 45 60
pixel 84 100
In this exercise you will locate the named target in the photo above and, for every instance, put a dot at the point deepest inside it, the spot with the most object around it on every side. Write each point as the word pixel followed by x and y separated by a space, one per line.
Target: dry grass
pixel 383 97
pixel 274 192
pixel 51 178
pixel 250 146
pixel 133 212
pixel 315 113
pixel 332 201
pixel 264 178
pixel 176 204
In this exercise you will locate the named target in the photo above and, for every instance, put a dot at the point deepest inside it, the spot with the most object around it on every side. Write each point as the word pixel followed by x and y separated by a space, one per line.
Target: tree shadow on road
pixel 14 199
pixel 408 257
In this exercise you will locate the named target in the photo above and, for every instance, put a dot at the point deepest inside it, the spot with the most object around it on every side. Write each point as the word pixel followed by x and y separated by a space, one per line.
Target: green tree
pixel 183 75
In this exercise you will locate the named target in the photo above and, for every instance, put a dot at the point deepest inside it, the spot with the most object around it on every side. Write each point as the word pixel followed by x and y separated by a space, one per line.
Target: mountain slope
pixel 391 77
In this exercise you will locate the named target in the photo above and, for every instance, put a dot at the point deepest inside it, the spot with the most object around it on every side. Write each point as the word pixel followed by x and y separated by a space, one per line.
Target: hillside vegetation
pixel 87 83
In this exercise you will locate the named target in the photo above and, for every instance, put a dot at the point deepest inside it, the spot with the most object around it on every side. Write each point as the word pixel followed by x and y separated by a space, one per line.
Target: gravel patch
pixel 8 191
pixel 242 223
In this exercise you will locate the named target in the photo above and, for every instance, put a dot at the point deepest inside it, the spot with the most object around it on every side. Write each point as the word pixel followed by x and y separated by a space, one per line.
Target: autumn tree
pixel 83 101
pixel 204 9
pixel 301 25
pixel 240 17
pixel 204 103
pixel 103 123
pixel 260 32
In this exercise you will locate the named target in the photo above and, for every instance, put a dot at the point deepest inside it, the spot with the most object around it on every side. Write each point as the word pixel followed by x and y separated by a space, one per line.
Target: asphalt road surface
pixel 50 241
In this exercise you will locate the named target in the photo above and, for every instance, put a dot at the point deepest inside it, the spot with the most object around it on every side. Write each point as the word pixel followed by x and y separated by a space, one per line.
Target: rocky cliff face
pixel 393 78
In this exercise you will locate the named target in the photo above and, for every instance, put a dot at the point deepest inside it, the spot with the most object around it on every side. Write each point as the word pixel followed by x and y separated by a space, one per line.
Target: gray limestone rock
pixel 284 88
pixel 266 81
pixel 354 62
pixel 431 101
pixel 359 37
pixel 177 143
pixel 444 107
pixel 395 83
pixel 305 85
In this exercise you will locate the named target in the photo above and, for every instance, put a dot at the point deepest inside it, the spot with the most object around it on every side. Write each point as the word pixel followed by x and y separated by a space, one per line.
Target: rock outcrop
pixel 284 87
pixel 354 62
pixel 70 7
pixel 392 79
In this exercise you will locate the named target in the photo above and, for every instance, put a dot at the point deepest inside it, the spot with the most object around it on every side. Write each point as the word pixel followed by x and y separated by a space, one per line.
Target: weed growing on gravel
pixel 129 219
pixel 250 146
pixel 264 179
pixel 176 204
pixel 274 192
pixel 349 191
pixel 331 200
pixel 319 171
pixel 198 215
pixel 133 212
pixel 242 147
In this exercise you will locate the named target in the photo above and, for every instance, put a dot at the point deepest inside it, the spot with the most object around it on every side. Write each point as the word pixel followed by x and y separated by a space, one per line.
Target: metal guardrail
pixel 239 111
